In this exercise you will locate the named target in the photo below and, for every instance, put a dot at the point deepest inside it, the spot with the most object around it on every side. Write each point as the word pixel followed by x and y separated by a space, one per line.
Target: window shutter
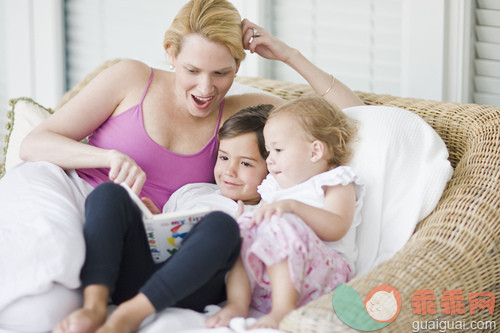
pixel 487 61
pixel 358 41
pixel 98 30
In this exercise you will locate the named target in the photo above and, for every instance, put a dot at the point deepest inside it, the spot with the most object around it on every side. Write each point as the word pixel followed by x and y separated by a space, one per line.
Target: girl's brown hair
pixel 247 120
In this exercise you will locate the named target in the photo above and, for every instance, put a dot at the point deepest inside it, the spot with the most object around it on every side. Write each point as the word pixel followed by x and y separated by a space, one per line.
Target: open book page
pixel 166 231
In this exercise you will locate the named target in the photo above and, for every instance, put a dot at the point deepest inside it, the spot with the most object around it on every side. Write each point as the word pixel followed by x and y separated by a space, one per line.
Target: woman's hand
pixel 123 169
pixel 270 47
pixel 265 44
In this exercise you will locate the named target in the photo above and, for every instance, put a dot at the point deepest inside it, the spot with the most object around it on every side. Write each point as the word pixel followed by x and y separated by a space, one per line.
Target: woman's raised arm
pixel 258 40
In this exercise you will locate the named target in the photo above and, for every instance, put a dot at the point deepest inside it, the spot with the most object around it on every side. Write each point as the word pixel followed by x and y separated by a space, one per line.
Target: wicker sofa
pixel 455 247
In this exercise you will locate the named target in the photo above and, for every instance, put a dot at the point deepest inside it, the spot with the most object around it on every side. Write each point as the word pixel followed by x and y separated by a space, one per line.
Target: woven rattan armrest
pixel 455 247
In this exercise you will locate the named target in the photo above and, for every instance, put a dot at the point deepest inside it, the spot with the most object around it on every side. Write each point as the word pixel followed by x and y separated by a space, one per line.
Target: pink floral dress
pixel 316 267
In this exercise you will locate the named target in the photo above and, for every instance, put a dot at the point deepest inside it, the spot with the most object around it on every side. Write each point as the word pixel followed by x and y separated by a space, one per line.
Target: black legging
pixel 118 254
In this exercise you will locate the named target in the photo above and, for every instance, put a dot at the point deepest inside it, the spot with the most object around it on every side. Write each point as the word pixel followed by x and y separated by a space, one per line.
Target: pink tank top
pixel 166 171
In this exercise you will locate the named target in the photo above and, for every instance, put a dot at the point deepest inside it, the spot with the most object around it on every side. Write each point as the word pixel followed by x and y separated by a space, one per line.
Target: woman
pixel 119 262
pixel 179 113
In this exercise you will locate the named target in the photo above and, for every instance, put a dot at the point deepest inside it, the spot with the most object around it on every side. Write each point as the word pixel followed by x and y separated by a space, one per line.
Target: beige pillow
pixel 25 115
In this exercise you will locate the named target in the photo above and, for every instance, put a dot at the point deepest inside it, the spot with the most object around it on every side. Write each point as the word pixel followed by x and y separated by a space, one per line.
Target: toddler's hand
pixel 265 211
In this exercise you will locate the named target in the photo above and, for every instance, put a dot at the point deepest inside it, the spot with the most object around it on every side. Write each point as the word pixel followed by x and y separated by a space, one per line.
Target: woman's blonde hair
pixel 216 20
pixel 325 122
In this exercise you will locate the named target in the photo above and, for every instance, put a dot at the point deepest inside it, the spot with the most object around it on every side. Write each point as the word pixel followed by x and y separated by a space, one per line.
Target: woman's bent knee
pixel 217 230
pixel 221 225
pixel 107 192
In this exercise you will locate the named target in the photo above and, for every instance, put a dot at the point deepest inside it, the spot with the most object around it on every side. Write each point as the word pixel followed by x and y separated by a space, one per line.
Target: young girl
pixel 300 243
pixel 240 167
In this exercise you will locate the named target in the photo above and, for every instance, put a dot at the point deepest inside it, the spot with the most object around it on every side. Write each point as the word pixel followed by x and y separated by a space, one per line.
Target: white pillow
pixel 240 88
pixel 25 115
pixel 404 165
pixel 41 312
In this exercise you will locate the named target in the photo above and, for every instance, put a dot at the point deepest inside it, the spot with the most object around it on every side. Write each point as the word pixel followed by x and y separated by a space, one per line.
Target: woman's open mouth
pixel 202 102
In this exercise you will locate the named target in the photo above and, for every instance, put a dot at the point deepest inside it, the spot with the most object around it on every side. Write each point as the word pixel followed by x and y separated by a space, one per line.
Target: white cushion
pixel 40 313
pixel 41 239
pixel 404 165
pixel 25 115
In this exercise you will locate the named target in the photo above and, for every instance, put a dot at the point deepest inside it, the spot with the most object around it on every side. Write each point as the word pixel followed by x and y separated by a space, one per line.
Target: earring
pixel 172 67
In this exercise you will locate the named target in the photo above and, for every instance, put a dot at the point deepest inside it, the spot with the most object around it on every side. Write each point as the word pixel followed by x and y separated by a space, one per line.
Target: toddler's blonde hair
pixel 325 122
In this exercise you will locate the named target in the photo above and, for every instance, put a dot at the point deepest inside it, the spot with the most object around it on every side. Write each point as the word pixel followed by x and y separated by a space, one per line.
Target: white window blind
pixel 487 61
pixel 99 30
pixel 358 41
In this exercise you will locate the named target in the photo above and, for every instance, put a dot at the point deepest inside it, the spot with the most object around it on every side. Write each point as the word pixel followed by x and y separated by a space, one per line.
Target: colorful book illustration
pixel 166 231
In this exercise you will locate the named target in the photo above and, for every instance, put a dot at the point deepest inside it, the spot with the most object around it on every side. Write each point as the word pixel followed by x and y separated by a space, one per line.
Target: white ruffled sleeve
pixel 342 175
pixel 268 189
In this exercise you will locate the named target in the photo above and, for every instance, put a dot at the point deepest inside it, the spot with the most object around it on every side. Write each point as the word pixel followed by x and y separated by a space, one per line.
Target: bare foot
pixel 224 316
pixel 128 316
pixel 119 324
pixel 117 327
pixel 271 320
pixel 82 321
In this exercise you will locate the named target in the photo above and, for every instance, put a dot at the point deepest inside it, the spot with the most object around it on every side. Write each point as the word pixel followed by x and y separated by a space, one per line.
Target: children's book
pixel 166 231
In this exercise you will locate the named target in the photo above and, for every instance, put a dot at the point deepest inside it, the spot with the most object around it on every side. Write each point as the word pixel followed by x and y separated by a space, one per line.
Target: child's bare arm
pixel 340 203
pixel 330 223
